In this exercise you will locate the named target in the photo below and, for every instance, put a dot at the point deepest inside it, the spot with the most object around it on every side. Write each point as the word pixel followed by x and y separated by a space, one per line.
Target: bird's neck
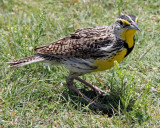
pixel 128 36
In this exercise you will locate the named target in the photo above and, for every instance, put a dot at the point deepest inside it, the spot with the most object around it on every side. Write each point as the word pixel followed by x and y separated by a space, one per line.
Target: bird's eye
pixel 120 22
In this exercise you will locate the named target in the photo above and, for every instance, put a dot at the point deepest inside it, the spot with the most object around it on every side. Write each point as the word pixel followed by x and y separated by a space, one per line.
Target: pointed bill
pixel 135 26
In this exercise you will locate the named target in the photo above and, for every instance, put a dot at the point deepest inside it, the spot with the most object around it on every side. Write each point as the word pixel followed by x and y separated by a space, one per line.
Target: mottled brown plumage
pixel 83 43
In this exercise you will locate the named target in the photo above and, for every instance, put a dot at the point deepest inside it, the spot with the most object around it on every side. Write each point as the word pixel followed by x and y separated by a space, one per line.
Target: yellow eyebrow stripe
pixel 125 21
pixel 136 19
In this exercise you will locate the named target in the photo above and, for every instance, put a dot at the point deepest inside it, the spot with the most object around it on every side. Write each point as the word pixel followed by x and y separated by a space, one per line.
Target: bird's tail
pixel 24 61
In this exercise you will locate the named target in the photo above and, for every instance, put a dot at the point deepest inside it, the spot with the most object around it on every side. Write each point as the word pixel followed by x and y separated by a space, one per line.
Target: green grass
pixel 36 95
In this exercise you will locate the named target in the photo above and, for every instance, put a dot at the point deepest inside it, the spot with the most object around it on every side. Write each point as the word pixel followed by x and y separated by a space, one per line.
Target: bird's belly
pixel 78 65
pixel 106 63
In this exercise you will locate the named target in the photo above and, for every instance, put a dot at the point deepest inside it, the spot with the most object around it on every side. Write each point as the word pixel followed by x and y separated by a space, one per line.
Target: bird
pixel 88 50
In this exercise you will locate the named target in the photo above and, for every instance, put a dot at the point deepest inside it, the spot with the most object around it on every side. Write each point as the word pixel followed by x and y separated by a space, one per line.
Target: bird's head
pixel 125 25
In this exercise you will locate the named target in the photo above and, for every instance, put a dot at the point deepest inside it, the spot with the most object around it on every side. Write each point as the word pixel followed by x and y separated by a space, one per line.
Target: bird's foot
pixel 91 102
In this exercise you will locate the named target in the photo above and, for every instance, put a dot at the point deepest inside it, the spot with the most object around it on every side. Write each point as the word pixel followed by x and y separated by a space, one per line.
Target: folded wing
pixel 83 43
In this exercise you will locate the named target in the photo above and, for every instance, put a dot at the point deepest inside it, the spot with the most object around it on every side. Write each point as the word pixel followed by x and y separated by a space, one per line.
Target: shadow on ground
pixel 111 103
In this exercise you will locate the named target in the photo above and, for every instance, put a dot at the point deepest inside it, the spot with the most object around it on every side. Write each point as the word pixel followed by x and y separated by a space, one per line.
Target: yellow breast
pixel 108 63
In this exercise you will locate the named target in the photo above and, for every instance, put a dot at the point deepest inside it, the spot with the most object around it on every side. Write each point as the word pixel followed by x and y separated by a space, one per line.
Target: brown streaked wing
pixel 83 43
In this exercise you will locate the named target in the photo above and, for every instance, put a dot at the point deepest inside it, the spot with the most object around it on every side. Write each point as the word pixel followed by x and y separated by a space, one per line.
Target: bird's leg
pixel 71 86
pixel 91 86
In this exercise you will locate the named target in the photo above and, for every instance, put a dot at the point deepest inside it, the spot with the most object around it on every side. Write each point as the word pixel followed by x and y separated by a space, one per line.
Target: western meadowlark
pixel 88 50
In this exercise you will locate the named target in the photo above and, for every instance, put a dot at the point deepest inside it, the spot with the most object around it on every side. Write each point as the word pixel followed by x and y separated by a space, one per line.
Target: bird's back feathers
pixel 83 43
